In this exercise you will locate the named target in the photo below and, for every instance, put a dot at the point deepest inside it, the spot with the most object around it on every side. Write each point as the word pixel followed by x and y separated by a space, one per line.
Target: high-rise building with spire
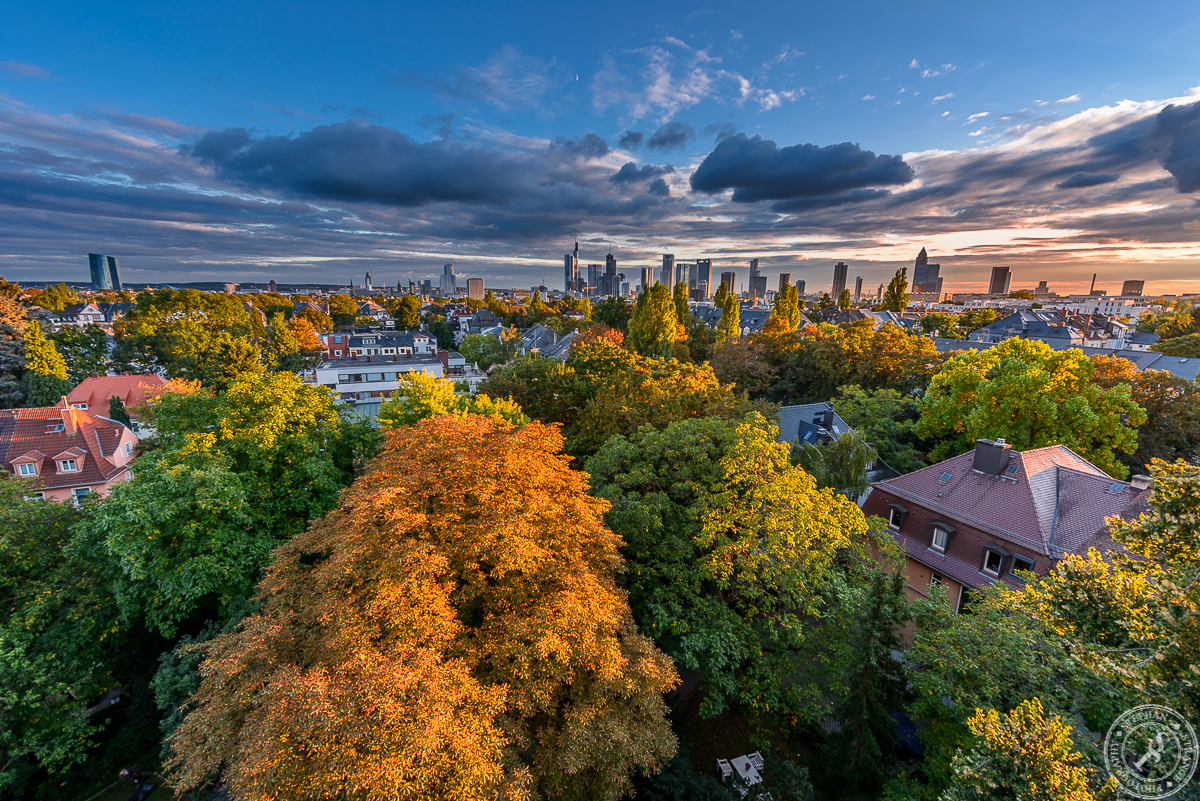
pixel 926 278
pixel 571 271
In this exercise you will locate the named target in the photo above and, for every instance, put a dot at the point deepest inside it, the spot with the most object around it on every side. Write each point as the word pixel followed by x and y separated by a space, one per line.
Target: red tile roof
pixel 1054 502
pixel 131 389
pixel 48 432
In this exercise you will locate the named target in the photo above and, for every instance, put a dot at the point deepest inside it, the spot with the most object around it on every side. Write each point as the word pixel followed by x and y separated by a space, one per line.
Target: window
pixel 79 493
pixel 992 562
pixel 935 580
pixel 945 477
pixel 128 448
pixel 1011 470
pixel 68 466
pixel 896 515
pixel 1021 563
pixel 940 537
pixel 1117 486
pixel 82 406
pixel 27 469
pixel 337 353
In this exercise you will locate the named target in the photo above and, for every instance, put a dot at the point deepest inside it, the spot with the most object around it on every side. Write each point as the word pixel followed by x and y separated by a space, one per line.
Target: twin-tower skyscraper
pixel 106 272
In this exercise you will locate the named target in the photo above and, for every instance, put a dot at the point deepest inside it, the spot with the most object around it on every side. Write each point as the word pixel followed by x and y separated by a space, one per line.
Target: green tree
pixel 118 412
pixel 895 297
pixel 787 306
pixel 407 312
pixel 1172 405
pixel 13 321
pixel 283 349
pixel 993 658
pixel 484 350
pixel 85 351
pixel 1133 614
pixel 826 302
pixel 942 325
pixel 614 312
pixel 840 464
pixel 1186 346
pixel 343 309
pixel 1024 755
pixel 730 326
pixel 57 297
pixel 200 336
pixel 47 372
pixel 652 328
pixel 886 418
pixel 1032 396
pixel 859 756
pixel 442 332
pixel 679 297
pixel 974 319
pixel 419 396
pixel 844 300
pixel 478 624
pixel 732 553
pixel 232 477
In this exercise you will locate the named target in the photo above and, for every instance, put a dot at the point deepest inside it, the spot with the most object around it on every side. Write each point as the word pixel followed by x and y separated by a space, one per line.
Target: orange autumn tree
pixel 452 630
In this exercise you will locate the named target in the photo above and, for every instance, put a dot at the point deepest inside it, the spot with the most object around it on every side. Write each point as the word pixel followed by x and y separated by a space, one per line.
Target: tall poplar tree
pixel 47 372
pixel 680 298
pixel 652 328
pixel 895 298
pixel 787 306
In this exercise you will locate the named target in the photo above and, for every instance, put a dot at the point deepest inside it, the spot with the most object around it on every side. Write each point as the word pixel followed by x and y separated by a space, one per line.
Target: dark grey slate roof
pixel 800 423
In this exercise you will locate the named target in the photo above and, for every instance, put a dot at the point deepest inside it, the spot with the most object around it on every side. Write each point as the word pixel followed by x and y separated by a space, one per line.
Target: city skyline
pixel 793 137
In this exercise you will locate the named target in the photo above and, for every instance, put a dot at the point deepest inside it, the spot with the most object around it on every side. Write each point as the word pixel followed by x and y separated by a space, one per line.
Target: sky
pixel 312 142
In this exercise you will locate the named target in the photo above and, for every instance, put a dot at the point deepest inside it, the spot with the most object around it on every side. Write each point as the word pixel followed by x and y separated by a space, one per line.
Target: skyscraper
pixel 839 279
pixel 926 276
pixel 475 288
pixel 1133 288
pixel 449 286
pixel 800 288
pixel 368 283
pixel 683 272
pixel 612 285
pixel 646 278
pixel 758 282
pixel 114 272
pixel 668 270
pixel 571 270
pixel 592 287
pixel 702 280
pixel 99 268
pixel 784 280
pixel 729 279
pixel 858 287
pixel 1001 279
pixel 272 287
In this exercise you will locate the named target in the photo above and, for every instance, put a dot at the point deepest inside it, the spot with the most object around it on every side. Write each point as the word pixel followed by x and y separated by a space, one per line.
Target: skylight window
pixel 945 477
pixel 1012 470
pixel 1117 486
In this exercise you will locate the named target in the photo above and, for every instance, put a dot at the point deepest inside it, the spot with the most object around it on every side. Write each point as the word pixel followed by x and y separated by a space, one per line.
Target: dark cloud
pixel 1180 127
pixel 671 136
pixel 359 161
pixel 804 175
pixel 631 140
pixel 591 146
pixel 658 187
pixel 720 130
pixel 1082 180
pixel 630 173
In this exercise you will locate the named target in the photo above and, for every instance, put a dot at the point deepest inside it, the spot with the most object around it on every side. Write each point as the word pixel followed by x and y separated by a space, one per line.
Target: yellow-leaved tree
pixel 452 630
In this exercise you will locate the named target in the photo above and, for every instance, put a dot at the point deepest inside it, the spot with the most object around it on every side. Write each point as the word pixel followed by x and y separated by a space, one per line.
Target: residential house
pixel 94 393
pixel 878 319
pixel 979 518
pixel 369 308
pixel 378 343
pixel 70 451
pixel 371 378
pixel 540 340
pixel 79 314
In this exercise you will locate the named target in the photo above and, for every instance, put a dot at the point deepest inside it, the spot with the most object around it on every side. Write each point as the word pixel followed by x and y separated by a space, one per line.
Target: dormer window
pixel 992 562
pixel 82 406
pixel 941 537
pixel 27 469
pixel 68 465
pixel 896 515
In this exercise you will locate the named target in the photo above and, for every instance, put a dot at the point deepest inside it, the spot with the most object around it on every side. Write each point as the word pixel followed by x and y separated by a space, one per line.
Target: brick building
pixel 975 519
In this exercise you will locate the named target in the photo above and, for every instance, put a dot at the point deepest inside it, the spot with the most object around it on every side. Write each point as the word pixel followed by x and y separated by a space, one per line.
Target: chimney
pixel 1140 482
pixel 991 457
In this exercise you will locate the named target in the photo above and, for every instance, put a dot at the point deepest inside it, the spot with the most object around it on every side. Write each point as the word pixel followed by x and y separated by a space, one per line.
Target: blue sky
pixel 307 141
